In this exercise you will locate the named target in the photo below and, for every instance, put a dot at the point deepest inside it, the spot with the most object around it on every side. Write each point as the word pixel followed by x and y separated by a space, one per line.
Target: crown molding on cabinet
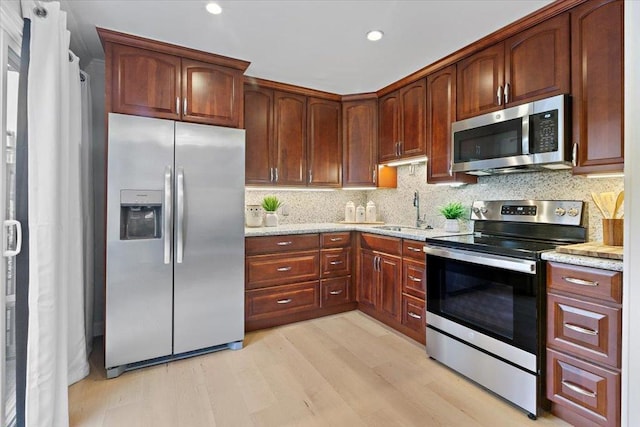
pixel 270 84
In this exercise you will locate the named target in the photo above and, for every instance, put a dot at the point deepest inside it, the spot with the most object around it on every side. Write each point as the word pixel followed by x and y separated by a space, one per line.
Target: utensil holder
pixel 612 231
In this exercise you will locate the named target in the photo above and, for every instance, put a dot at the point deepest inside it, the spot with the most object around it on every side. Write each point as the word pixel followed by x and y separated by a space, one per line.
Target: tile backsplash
pixel 395 206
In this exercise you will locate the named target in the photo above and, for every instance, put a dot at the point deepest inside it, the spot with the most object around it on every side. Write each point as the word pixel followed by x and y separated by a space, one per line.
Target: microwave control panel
pixel 543 132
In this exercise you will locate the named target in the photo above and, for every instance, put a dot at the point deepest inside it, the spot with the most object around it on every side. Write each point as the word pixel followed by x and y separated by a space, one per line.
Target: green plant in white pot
pixel 452 212
pixel 270 204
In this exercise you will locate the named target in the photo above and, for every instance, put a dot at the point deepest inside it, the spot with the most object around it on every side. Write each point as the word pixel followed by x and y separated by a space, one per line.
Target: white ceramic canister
pixel 371 213
pixel 360 215
pixel 350 212
pixel 253 215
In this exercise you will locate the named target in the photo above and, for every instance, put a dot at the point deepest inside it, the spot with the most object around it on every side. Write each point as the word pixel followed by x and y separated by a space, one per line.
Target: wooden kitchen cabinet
pixel 441 113
pixel 324 157
pixel 290 139
pixel 597 40
pixel 514 71
pixel 258 121
pixel 402 123
pixel 360 136
pixel 154 79
pixel 584 343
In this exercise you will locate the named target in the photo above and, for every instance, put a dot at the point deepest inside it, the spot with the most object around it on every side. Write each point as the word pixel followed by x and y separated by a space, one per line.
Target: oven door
pixel 496 296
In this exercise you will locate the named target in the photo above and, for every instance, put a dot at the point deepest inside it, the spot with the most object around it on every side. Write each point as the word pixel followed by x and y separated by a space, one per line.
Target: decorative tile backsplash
pixel 395 206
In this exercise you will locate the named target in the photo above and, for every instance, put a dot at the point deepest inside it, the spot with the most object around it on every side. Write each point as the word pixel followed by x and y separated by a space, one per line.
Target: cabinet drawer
pixel 413 315
pixel 413 249
pixel 335 240
pixel 585 329
pixel 413 278
pixel 374 242
pixel 287 243
pixel 585 281
pixel 335 291
pixel 335 262
pixel 268 270
pixel 587 389
pixel 282 300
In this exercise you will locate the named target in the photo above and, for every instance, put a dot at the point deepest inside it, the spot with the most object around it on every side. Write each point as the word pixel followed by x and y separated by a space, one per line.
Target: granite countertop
pixel 406 232
pixel 585 261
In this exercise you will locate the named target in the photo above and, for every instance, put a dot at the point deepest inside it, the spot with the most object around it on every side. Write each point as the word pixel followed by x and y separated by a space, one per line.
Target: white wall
pixel 631 291
pixel 96 70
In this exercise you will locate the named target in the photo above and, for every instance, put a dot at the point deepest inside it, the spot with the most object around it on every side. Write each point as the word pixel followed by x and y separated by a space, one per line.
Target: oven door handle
pixel 507 263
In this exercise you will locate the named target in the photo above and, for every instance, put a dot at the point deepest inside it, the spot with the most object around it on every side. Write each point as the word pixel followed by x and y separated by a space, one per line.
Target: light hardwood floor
pixel 341 370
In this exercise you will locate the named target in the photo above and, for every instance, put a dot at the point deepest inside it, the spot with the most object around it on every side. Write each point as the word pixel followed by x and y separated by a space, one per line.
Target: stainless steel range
pixel 486 294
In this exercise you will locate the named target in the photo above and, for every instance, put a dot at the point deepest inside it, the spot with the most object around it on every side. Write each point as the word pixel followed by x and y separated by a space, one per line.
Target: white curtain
pixel 56 349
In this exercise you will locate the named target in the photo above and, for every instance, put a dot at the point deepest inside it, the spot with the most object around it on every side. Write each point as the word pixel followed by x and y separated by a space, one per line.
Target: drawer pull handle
pixel 415 316
pixel 287 243
pixel 336 239
pixel 284 301
pixel 338 292
pixel 335 262
pixel 578 389
pixel 580 329
pixel 412 249
pixel 415 279
pixel 580 282
pixel 284 269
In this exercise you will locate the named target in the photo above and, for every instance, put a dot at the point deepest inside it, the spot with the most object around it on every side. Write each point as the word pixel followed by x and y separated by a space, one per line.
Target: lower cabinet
pixel 296 277
pixel 584 324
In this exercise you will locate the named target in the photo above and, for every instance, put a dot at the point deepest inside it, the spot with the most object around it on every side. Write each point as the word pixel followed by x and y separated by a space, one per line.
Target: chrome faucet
pixel 416 203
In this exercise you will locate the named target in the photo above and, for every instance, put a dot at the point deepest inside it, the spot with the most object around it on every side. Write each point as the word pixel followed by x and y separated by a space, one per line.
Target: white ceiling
pixel 318 44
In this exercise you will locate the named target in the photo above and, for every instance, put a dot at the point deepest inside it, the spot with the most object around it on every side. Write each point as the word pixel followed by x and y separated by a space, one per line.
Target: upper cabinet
pixel 290 119
pixel 530 65
pixel 324 142
pixel 402 117
pixel 156 79
pixel 359 130
pixel 260 150
pixel 598 86
pixel 441 112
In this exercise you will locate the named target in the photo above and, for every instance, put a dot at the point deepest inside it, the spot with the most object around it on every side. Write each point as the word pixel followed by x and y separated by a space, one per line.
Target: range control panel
pixel 566 212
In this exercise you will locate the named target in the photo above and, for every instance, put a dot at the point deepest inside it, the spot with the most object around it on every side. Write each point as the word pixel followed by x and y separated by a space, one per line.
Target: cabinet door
pixel 290 118
pixel 145 83
pixel 441 112
pixel 598 86
pixel 258 122
pixel 413 117
pixel 389 127
pixel 479 77
pixel 368 278
pixel 531 75
pixel 211 94
pixel 324 143
pixel 360 131
pixel 390 286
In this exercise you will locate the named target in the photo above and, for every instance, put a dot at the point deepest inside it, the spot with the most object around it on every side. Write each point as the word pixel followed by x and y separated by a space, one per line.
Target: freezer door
pixel 209 237
pixel 139 283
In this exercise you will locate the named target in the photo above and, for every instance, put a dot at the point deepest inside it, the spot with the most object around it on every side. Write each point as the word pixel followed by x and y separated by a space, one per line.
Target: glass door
pixel 9 62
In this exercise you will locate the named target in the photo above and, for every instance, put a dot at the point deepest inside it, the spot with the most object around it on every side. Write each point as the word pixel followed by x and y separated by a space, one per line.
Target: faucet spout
pixel 416 203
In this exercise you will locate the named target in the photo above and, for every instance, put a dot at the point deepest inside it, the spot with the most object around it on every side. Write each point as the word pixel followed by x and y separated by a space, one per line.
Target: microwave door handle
pixel 180 216
pixel 166 221
pixel 499 95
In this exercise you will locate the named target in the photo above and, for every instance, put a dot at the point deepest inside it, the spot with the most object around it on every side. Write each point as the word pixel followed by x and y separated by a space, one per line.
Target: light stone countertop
pixel 407 232
pixel 585 261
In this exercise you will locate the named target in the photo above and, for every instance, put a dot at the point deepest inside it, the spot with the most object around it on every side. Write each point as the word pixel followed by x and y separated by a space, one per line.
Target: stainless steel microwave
pixel 533 135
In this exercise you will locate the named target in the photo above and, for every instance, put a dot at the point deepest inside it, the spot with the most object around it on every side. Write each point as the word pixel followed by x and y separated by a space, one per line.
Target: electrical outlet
pixel 284 210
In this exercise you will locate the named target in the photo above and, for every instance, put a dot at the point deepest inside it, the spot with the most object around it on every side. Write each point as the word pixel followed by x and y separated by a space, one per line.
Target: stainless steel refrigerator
pixel 175 241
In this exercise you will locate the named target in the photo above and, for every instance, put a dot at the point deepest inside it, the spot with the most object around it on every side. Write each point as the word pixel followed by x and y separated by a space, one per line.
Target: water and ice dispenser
pixel 140 214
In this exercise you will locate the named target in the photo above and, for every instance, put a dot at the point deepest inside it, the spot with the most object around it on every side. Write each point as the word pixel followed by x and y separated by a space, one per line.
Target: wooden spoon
pixel 598 202
pixel 619 202
pixel 608 200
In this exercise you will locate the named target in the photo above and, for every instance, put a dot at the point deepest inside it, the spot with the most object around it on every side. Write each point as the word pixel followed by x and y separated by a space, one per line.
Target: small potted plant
pixel 452 212
pixel 270 204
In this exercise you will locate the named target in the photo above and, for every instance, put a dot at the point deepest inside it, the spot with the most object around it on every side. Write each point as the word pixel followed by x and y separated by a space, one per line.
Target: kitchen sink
pixel 399 228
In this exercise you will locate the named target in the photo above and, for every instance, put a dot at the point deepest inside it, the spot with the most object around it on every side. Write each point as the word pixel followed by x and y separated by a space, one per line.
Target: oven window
pixel 497 302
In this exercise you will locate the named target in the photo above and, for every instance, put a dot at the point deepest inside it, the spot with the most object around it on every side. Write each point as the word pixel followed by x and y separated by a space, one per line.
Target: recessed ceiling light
pixel 214 8
pixel 375 35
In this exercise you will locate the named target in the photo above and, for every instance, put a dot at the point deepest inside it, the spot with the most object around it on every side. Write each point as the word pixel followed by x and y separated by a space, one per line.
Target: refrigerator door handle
pixel 166 221
pixel 180 216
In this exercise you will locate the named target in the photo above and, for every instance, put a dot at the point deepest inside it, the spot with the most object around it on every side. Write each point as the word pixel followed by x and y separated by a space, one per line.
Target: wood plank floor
pixel 341 370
